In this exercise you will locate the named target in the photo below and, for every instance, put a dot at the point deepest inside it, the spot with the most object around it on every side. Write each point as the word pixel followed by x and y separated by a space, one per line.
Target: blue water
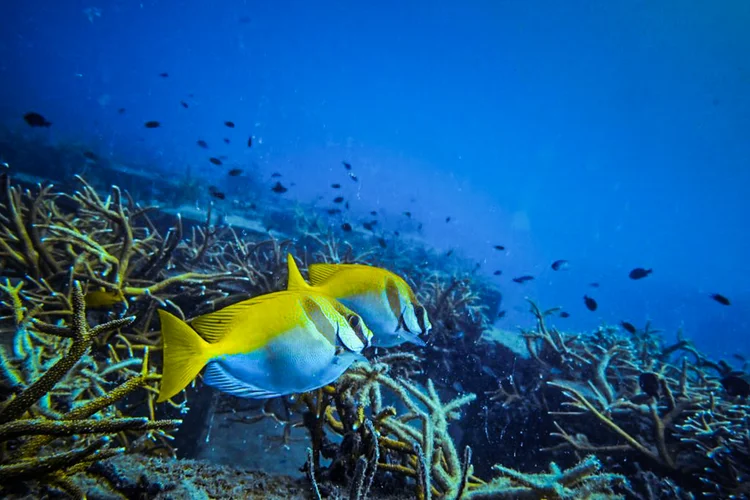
pixel 611 134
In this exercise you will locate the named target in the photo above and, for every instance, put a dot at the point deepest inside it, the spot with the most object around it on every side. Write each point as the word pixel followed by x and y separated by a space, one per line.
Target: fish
pixel 374 213
pixel 215 161
pixel 370 225
pixel 628 327
pixel 229 124
pixel 499 247
pixel 184 104
pixel 594 285
pixel 639 273
pixel 447 219
pixel 336 186
pixel 736 385
pixel 353 177
pixel 591 304
pixel 268 346
pixel 408 214
pixel 275 175
pixel 523 279
pixel 103 299
pixel 338 199
pixel 164 75
pixel 89 155
pixel 279 188
pixel 449 253
pixel 346 227
pixel 346 205
pixel 36 120
pixel 347 166
pixel 721 299
pixel 498 272
pixel 250 141
pixel 564 314
pixel 121 111
pixel 152 124
pixel 501 314
pixel 214 191
pixel 386 303
pixel 560 265
pixel 202 143
pixel 235 172
pixel 382 242
pixel 226 141
pixel 333 211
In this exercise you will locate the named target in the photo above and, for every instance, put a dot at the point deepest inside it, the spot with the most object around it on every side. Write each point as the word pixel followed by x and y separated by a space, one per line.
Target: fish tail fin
pixel 185 354
pixel 295 281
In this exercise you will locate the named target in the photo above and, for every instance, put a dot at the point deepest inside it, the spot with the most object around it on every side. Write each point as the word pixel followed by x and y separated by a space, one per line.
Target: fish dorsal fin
pixel 295 281
pixel 319 273
pixel 319 318
pixel 213 326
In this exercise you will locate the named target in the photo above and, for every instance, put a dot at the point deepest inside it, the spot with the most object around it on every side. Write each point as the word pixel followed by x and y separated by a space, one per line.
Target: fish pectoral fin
pixel 295 281
pixel 185 354
pixel 319 273
pixel 216 376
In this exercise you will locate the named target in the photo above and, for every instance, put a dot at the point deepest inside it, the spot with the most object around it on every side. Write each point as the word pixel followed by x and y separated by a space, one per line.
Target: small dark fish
pixel 184 104
pixel 346 205
pixel 164 75
pixel 353 177
pixel 121 111
pixel 419 226
pixel 382 243
pixel 739 357
pixel 447 219
pixel 564 314
pixel 346 227
pixel 498 272
pixel 374 213
pixel 89 155
pixel 591 304
pixel 215 161
pixel 449 253
pixel 396 233
pixel 333 211
pixel 720 299
pixel 229 124
pixel 650 384
pixel 367 225
pixel 559 265
pixel 336 186
pixel 499 247
pixel 275 175
pixel 523 279
pixel 594 285
pixel 226 141
pixel 152 124
pixel 408 214
pixel 501 314
pixel 250 141
pixel 629 327
pixel 639 273
pixel 214 191
pixel 36 120
pixel 235 172
pixel 347 166
pixel 338 199
pixel 202 143
pixel 279 188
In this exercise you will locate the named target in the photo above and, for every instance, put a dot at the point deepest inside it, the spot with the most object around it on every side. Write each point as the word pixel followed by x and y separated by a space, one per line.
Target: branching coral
pixel 61 414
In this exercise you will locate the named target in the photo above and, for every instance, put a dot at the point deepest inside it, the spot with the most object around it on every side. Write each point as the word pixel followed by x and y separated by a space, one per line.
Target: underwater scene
pixel 374 250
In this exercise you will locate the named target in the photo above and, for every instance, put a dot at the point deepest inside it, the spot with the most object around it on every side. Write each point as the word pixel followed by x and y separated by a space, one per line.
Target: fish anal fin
pixel 217 377
pixel 295 281
pixel 185 354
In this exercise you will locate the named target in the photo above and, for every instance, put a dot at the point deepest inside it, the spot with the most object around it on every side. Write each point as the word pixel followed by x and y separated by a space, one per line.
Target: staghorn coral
pixel 61 415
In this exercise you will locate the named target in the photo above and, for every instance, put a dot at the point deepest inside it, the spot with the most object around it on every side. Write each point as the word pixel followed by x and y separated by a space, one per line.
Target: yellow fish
pixel 101 299
pixel 385 301
pixel 272 345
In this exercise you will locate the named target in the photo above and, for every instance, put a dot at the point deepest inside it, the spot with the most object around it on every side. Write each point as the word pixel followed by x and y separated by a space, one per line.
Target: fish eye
pixel 354 321
pixel 419 310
